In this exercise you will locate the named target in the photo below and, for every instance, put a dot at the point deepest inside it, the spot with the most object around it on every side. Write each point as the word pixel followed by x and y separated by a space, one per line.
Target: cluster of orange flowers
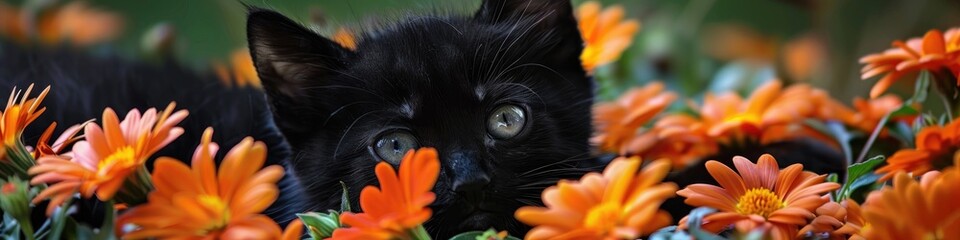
pixel 74 22
pixel 770 114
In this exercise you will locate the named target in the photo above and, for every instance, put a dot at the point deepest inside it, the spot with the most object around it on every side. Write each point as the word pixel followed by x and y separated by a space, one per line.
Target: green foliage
pixel 489 234
pixel 859 175
pixel 694 221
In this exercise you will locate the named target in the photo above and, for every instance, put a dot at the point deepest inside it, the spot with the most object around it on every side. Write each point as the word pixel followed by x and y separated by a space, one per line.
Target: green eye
pixel 506 121
pixel 391 147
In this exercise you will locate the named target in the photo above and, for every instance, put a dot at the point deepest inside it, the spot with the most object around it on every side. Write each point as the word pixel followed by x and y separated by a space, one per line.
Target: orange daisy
pixel 617 122
pixel 837 221
pixel 605 34
pixel 760 197
pixel 109 157
pixel 18 114
pixel 621 203
pixel 935 52
pixel 399 206
pixel 935 147
pixel 910 209
pixel 203 202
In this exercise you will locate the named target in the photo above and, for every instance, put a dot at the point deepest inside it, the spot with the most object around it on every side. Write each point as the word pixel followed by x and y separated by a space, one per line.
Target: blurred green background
pixel 693 45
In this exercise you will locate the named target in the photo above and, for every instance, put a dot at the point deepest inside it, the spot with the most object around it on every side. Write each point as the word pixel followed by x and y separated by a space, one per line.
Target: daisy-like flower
pixel 239 72
pixel 866 113
pixel 760 197
pixel 111 159
pixel 398 208
pixel 618 122
pixel 910 209
pixel 837 221
pixel 935 52
pixel 203 202
pixel 18 114
pixel 621 203
pixel 935 147
pixel 605 33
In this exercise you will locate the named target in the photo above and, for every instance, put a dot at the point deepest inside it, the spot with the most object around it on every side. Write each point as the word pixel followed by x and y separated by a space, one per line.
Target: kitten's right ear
pixel 291 60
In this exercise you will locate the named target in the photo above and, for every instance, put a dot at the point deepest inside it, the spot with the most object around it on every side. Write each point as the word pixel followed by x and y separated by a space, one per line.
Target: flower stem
pixel 945 84
pixel 419 233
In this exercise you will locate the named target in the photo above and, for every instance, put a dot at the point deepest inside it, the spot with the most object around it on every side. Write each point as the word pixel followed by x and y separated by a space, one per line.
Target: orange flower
pixel 935 52
pixel 345 38
pixel 925 209
pixel 18 114
pixel 109 157
pixel 69 136
pixel 79 24
pixel 605 34
pixel 240 71
pixel 399 205
pixel 618 204
pixel 866 113
pixel 772 113
pixel 617 122
pixel 935 147
pixel 202 202
pixel 837 220
pixel 760 197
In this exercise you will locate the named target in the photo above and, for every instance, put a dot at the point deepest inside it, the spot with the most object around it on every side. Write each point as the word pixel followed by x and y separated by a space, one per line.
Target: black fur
pixel 438 78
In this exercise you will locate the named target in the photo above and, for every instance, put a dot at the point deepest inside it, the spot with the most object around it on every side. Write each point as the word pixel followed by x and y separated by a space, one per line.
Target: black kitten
pixel 501 95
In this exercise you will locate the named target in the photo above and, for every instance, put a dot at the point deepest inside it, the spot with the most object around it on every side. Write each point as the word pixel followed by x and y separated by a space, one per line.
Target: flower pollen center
pixel 604 217
pixel 215 205
pixel 759 201
pixel 122 157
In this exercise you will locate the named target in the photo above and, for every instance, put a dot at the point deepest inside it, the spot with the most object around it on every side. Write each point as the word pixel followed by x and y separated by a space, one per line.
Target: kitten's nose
pixel 468 174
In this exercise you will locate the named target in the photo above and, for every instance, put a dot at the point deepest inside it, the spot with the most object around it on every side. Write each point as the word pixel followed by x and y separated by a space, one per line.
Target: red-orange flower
pixel 202 202
pixel 399 205
pixel 618 122
pixel 837 220
pixel 240 71
pixel 605 34
pixel 936 52
pixel 108 157
pixel 935 148
pixel 866 113
pixel 19 112
pixel 760 197
pixel 621 203
pixel 910 209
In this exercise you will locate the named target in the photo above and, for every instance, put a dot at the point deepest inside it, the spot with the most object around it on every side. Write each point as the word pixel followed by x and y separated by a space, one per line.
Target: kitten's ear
pixel 553 21
pixel 291 60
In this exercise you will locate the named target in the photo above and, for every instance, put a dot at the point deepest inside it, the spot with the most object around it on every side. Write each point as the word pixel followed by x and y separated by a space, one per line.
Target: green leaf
pixel 921 88
pixel 321 225
pixel 833 177
pixel 344 199
pixel 857 171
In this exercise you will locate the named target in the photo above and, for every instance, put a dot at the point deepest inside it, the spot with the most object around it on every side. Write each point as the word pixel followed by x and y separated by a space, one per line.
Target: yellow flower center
pixel 604 217
pixel 759 201
pixel 123 157
pixel 215 205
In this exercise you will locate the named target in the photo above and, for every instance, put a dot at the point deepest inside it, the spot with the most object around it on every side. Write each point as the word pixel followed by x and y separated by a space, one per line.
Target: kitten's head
pixel 501 95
